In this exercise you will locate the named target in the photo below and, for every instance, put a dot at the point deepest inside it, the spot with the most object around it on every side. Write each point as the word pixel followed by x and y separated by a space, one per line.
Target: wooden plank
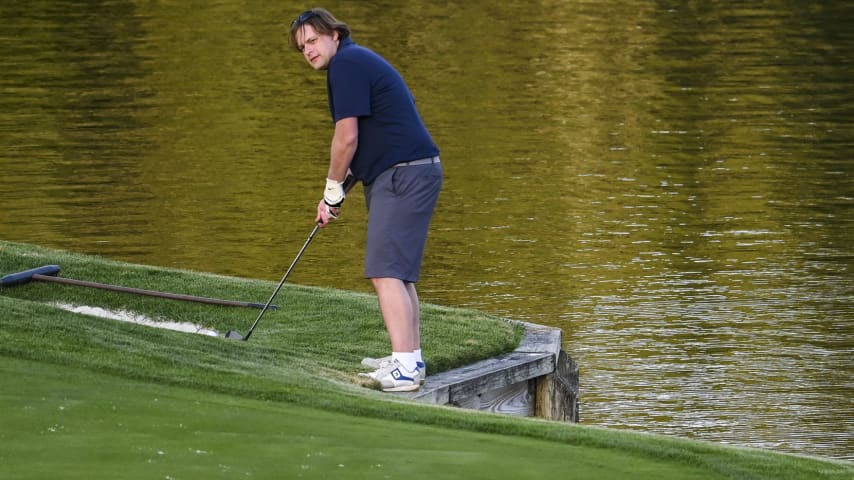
pixel 557 393
pixel 539 338
pixel 517 399
pixel 456 386
pixel 538 378
pixel 501 372
pixel 567 379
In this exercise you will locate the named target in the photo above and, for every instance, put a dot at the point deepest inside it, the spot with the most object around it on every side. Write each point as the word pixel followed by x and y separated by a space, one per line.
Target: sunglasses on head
pixel 303 17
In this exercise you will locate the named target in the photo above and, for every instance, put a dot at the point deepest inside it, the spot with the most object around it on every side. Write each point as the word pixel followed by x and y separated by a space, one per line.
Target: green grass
pixel 96 398
pixel 69 420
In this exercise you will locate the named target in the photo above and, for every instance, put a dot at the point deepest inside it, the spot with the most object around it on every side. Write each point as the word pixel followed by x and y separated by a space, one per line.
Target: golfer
pixel 379 138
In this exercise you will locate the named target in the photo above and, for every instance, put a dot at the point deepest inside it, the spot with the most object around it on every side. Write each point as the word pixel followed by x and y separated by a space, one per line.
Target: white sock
pixel 418 357
pixel 407 359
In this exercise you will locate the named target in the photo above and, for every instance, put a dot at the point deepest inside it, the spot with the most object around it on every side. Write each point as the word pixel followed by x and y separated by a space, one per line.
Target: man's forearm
pixel 344 144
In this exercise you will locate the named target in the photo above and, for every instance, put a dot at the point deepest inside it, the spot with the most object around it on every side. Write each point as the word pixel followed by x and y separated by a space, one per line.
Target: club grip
pixel 349 182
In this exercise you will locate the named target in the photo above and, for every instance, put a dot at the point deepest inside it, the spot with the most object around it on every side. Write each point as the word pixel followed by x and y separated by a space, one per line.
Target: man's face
pixel 318 49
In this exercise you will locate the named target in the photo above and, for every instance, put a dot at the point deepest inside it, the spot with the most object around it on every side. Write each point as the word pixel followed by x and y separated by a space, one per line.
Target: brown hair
pixel 323 23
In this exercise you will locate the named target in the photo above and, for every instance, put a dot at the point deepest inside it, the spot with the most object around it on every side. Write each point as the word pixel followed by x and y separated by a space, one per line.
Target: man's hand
pixel 325 213
pixel 328 208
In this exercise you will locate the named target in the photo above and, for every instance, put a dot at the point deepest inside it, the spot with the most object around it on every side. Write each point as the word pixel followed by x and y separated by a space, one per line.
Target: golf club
pixel 234 335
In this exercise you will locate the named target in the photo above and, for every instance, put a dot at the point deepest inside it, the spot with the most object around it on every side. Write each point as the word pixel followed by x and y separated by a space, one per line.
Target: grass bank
pixel 106 399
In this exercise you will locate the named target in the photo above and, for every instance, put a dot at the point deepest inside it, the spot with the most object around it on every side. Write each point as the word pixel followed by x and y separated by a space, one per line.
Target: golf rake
pixel 47 273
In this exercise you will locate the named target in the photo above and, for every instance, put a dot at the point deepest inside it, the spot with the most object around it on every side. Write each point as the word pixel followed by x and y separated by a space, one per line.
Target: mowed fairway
pixel 93 398
pixel 61 422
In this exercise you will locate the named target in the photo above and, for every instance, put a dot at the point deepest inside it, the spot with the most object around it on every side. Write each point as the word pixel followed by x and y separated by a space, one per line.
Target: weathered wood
pixel 456 386
pixel 539 338
pixel 502 372
pixel 516 399
pixel 545 403
pixel 538 378
pixel 557 393
pixel 567 378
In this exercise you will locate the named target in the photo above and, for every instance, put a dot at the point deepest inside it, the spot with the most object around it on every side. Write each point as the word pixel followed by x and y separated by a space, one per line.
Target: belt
pixel 422 161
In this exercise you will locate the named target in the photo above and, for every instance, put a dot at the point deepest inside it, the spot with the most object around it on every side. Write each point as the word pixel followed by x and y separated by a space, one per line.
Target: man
pixel 380 138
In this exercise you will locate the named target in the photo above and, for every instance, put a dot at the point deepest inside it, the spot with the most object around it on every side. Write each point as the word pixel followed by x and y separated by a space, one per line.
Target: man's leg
pixel 399 308
pixel 416 314
pixel 416 327
pixel 403 323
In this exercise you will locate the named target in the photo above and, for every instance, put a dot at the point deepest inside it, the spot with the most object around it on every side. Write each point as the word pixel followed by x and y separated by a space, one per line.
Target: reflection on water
pixel 669 183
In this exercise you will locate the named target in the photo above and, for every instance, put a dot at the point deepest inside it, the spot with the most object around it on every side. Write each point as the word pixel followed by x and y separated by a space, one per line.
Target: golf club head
pixel 233 335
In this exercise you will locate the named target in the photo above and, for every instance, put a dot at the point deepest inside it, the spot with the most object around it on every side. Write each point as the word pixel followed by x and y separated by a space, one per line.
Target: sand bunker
pixel 125 316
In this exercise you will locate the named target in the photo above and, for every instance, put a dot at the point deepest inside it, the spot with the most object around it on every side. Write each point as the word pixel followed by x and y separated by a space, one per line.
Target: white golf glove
pixel 333 194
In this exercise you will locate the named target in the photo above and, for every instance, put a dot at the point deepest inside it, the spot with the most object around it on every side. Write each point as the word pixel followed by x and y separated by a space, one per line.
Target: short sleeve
pixel 349 90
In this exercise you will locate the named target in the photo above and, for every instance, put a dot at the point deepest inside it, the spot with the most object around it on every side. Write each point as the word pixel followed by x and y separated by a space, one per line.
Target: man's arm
pixel 344 143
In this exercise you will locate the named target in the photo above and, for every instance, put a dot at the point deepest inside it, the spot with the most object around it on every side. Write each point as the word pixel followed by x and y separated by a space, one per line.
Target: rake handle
pixel 150 293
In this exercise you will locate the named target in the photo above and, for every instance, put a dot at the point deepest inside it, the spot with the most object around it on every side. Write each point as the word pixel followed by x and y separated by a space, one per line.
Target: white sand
pixel 125 316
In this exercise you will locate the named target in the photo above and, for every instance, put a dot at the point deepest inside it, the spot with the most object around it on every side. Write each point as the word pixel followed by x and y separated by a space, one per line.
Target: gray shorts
pixel 400 205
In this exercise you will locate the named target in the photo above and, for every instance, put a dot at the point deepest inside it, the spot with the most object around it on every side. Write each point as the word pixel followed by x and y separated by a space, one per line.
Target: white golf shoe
pixel 394 377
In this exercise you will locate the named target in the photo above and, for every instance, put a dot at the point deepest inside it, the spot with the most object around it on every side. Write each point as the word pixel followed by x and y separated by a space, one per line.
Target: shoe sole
pixel 403 388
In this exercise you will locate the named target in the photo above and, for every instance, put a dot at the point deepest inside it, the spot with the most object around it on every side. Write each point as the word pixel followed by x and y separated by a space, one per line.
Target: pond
pixel 668 182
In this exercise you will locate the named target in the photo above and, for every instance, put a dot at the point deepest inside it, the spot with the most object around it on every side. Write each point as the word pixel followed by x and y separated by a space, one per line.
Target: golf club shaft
pixel 284 278
pixel 150 293
pixel 349 181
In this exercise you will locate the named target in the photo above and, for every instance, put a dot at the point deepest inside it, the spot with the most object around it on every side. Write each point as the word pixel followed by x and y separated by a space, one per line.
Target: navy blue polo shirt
pixel 362 84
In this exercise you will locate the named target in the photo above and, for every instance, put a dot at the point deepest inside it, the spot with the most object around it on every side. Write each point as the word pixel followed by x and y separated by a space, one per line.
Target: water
pixel 669 183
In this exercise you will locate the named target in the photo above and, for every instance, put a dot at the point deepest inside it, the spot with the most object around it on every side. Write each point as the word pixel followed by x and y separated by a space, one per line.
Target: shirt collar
pixel 346 42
